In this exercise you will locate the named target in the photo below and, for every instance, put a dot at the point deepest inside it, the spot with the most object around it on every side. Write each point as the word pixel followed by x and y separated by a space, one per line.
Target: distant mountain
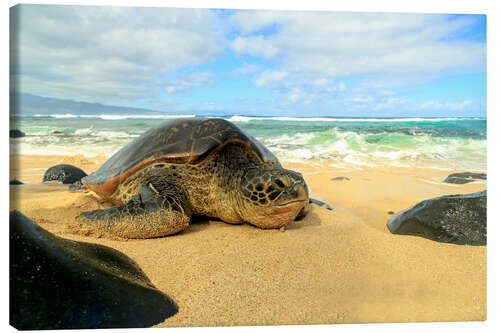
pixel 28 104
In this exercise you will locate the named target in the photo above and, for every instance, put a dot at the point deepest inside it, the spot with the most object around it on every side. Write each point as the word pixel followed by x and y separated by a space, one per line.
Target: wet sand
pixel 340 266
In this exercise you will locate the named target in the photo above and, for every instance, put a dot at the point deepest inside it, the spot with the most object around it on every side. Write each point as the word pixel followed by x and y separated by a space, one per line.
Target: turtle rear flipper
pixel 146 215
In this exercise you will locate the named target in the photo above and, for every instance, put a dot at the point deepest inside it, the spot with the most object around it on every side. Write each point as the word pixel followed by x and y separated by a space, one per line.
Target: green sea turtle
pixel 193 167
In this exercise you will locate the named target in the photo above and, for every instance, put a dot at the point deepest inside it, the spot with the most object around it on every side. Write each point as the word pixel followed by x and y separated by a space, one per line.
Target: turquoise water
pixel 448 143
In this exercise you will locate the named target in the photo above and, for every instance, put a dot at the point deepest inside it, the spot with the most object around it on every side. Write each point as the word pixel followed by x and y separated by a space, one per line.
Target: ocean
pixel 444 143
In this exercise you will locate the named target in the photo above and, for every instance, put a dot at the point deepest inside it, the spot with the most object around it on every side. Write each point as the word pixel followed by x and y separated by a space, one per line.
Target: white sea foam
pixel 241 118
pixel 348 148
pixel 67 115
pixel 237 118
pixel 83 131
pixel 115 135
pixel 90 132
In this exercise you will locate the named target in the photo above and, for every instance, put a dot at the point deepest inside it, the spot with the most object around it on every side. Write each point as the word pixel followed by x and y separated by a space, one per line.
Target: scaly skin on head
pixel 276 197
pixel 272 197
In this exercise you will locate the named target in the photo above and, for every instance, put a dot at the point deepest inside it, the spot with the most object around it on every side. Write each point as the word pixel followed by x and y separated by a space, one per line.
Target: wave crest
pixel 237 118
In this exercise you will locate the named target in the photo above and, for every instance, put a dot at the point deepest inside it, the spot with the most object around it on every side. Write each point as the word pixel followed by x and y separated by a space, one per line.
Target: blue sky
pixel 254 62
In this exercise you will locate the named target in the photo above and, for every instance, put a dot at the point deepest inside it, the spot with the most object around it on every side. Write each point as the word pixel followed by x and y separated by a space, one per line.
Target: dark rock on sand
pixel 458 219
pixel 15 182
pixel 64 174
pixel 464 177
pixel 15 133
pixel 320 203
pixel 340 178
pixel 57 283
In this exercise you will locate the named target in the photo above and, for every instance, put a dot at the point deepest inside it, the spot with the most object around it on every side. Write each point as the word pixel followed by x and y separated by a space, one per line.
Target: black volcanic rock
pixel 57 283
pixel 15 182
pixel 15 133
pixel 320 203
pixel 340 178
pixel 464 177
pixel 458 219
pixel 64 174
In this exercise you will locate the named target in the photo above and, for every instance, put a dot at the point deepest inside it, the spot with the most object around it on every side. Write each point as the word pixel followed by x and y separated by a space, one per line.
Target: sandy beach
pixel 340 266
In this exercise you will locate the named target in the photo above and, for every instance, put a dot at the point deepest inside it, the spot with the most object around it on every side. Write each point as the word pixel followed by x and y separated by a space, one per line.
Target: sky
pixel 253 62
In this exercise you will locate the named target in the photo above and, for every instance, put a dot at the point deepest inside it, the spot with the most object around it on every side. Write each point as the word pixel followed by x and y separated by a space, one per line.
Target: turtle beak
pixel 299 191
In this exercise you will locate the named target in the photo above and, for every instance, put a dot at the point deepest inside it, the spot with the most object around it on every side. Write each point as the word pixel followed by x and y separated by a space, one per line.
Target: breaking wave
pixel 237 118
pixel 447 143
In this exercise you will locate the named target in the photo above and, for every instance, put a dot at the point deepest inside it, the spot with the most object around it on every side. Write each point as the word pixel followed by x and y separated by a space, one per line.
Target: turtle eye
pixel 282 182
pixel 279 183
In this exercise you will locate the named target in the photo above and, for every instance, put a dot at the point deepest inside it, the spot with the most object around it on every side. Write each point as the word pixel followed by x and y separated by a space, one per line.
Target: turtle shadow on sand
pixel 310 220
pixel 197 224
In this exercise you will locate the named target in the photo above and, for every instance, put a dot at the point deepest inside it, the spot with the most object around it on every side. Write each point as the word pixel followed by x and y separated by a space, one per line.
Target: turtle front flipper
pixel 148 214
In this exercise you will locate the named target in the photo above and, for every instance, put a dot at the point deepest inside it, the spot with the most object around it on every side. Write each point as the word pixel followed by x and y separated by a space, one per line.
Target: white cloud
pixel 248 69
pixel 341 87
pixel 362 99
pixel 327 84
pixel 107 53
pixel 270 79
pixel 437 105
pixel 255 45
pixel 321 82
pixel 298 88
pixel 337 44
pixel 383 51
pixel 248 21
pixel 124 53
pixel 186 82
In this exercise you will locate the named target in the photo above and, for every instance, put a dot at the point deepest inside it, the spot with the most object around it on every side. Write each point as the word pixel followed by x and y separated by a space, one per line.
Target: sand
pixel 340 266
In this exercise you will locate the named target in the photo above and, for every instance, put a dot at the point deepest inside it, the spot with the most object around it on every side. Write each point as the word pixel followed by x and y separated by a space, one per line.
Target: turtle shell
pixel 180 141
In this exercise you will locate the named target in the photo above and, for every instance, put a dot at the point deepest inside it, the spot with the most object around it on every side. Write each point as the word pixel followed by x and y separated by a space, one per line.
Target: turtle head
pixel 273 197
